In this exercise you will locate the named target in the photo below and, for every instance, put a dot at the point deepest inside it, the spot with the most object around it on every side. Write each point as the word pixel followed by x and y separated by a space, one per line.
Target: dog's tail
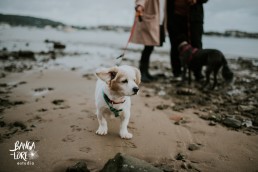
pixel 226 72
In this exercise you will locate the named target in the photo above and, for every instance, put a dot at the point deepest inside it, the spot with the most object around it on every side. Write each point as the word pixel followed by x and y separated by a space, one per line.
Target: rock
pixel 255 122
pixel 47 41
pixel 18 102
pixel 178 108
pixel 246 108
pixel 3 85
pixel 165 168
pixel 212 123
pixel 2 123
pixel 58 45
pixel 205 117
pixel 185 91
pixel 2 75
pixel 27 54
pixel 43 89
pixel 42 110
pixel 78 167
pixel 180 156
pixel 126 163
pixel 161 93
pixel 19 124
pixel 177 123
pixel 184 166
pixel 22 82
pixel 176 118
pixel 193 147
pixel 57 102
pixel 215 117
pixel 13 131
pixel 247 123
pixel 4 55
pixel 245 63
pixel 162 107
pixel 232 122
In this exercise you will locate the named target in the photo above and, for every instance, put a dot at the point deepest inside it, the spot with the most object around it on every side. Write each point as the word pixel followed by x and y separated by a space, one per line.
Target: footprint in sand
pixel 125 144
pixel 69 138
pixel 90 114
pixel 42 91
pixel 60 104
pixel 75 128
pixel 162 133
pixel 88 76
pixel 85 149
pixel 89 130
pixel 129 144
pixel 42 110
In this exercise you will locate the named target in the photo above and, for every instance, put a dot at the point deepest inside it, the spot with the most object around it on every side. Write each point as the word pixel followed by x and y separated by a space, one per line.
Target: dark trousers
pixel 181 26
pixel 145 58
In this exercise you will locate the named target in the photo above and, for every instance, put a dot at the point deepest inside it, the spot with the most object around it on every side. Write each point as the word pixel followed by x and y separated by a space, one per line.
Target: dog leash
pixel 139 16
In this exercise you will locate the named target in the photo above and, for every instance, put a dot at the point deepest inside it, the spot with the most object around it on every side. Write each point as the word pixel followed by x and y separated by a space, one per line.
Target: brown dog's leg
pixel 215 73
pixel 184 73
pixel 189 77
pixel 208 72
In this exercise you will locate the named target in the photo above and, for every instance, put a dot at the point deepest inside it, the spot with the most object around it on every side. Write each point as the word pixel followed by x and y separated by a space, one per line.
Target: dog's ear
pixel 107 74
pixel 138 76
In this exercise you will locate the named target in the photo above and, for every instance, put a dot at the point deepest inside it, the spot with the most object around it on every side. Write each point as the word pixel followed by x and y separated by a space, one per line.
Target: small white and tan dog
pixel 113 90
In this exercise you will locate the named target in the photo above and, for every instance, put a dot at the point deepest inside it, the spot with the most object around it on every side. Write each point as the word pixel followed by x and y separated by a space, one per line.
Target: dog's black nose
pixel 135 89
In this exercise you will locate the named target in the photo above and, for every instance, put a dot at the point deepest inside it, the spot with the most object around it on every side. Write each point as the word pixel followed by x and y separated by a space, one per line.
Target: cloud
pixel 223 15
pixel 220 15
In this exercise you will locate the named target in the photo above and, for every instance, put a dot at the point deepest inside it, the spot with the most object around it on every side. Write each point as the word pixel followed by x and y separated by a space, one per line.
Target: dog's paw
pixel 101 131
pixel 126 135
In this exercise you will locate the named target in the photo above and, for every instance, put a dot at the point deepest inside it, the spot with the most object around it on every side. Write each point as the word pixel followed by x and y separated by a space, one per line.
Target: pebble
pixel 212 123
pixel 162 107
pixel 19 124
pixel 161 93
pixel 193 147
pixel 231 122
pixel 180 156
pixel 58 102
pixel 2 123
pixel 247 123
pixel 78 167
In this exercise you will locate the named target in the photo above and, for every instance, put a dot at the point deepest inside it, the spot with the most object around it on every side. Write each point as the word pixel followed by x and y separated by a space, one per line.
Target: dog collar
pixel 110 105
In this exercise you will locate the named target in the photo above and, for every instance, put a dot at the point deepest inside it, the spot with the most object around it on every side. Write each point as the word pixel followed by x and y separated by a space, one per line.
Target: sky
pixel 220 15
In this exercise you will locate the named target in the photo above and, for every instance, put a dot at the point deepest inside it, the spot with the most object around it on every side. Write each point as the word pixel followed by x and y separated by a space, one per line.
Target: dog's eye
pixel 125 81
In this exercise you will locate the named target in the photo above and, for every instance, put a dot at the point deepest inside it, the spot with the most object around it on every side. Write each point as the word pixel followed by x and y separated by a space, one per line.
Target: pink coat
pixel 147 32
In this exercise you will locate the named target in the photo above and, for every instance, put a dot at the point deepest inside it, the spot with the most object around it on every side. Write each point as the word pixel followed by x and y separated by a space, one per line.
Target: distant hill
pixel 233 33
pixel 17 20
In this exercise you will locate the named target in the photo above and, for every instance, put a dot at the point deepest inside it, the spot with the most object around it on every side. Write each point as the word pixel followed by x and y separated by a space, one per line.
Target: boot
pixel 145 76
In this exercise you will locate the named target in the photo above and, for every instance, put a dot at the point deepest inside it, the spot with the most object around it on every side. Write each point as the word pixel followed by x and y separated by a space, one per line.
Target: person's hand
pixel 139 9
pixel 192 2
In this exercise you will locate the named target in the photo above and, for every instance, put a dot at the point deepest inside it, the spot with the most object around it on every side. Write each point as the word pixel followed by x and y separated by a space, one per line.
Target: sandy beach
pixel 51 103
